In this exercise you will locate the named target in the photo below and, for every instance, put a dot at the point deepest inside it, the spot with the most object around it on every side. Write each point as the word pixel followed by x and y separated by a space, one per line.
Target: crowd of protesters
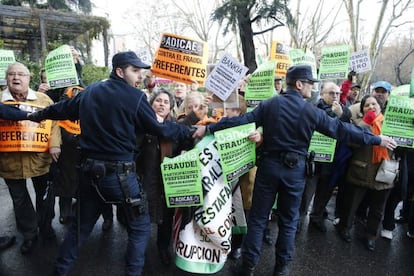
pixel 157 122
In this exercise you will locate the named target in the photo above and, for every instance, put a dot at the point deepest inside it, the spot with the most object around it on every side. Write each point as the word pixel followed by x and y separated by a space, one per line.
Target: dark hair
pixel 159 91
pixel 364 99
pixel 43 70
pixel 123 67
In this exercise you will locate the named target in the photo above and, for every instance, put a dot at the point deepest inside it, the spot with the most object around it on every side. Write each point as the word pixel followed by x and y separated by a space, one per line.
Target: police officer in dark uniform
pixel 111 112
pixel 8 112
pixel 288 124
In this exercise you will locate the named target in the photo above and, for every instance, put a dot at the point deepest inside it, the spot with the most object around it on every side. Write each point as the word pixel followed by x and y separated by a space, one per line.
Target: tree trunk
pixel 105 46
pixel 246 39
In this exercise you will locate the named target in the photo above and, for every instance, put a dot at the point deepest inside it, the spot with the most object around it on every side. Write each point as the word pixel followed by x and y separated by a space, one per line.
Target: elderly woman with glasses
pixel 151 153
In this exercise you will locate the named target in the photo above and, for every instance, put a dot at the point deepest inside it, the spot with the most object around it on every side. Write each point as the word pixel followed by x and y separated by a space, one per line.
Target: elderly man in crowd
pixel 9 113
pixel 17 166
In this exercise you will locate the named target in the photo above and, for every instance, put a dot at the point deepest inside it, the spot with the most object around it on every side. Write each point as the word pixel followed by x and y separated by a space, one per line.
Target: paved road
pixel 316 254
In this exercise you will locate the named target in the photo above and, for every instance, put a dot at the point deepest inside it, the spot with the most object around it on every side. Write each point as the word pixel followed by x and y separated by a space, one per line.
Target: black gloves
pixel 35 116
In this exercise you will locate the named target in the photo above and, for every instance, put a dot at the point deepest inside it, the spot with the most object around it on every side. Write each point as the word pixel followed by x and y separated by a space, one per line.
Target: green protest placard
pixel 60 68
pixel 237 153
pixel 334 63
pixel 260 86
pixel 6 58
pixel 402 90
pixel 300 57
pixel 182 180
pixel 399 120
pixel 207 232
pixel 323 146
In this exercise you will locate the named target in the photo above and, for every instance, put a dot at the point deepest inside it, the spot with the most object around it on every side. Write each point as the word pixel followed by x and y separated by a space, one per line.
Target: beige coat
pixel 22 165
pixel 246 186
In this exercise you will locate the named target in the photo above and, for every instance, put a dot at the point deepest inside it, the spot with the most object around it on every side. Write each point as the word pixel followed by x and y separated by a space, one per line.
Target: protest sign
pixel 237 153
pixel 323 146
pixel 360 61
pixel 402 90
pixel 334 63
pixel 399 120
pixel 280 53
pixel 144 55
pixel 25 135
pixel 60 68
pixel 260 86
pixel 225 76
pixel 181 59
pixel 300 57
pixel 202 238
pixel 6 58
pixel 182 181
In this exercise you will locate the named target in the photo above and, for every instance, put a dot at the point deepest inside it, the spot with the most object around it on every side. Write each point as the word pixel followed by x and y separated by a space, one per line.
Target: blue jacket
pixel 111 115
pixel 288 123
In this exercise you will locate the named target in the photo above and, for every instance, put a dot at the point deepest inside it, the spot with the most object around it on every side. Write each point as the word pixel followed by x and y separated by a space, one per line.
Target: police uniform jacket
pixel 111 115
pixel 8 112
pixel 22 165
pixel 288 123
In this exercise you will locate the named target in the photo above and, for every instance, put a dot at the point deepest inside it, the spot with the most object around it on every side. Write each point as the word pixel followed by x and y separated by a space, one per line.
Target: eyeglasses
pixel 19 74
pixel 307 81
pixel 333 93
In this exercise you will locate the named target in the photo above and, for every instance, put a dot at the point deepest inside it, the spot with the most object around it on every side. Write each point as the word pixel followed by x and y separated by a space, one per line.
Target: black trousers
pixel 164 230
pixel 27 218
pixel 376 200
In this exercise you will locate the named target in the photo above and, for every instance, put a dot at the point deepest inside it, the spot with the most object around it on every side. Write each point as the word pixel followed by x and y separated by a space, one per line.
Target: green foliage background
pixel 92 73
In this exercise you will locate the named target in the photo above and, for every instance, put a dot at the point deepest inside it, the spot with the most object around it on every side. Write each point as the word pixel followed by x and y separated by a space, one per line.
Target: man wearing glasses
pixel 19 165
pixel 325 182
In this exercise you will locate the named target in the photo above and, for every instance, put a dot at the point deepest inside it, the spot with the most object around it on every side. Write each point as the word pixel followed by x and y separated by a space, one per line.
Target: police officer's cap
pixel 128 58
pixel 299 72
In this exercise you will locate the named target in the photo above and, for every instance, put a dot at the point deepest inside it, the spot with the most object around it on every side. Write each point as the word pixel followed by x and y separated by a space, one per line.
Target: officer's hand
pixel 35 117
pixel 388 142
pixel 200 132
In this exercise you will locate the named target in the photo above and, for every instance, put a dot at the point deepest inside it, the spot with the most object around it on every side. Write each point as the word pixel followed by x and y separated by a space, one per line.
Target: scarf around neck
pixel 378 153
